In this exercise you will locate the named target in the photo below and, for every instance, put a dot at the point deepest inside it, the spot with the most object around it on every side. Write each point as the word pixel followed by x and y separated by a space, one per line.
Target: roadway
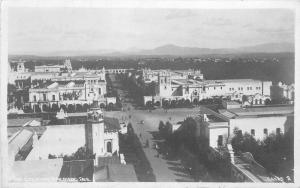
pixel 164 170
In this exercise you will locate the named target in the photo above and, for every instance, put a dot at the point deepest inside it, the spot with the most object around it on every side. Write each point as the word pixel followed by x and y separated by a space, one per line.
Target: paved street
pixel 164 170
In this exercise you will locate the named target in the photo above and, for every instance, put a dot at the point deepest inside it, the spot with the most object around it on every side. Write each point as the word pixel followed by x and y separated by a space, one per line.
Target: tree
pixel 149 105
pixel 55 108
pixel 37 108
pixel 161 126
pixel 157 103
pixel 195 101
pixel 63 107
pixel 187 103
pixel 86 107
pixel 110 106
pixel 181 103
pixel 275 152
pixel 82 153
pixel 45 108
pixel 173 104
pixel 165 129
pixel 71 108
pixel 165 104
pixel 102 105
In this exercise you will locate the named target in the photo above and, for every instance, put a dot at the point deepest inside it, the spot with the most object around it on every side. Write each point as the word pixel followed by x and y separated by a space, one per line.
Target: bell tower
pixel 94 133
pixel 164 84
pixel 20 66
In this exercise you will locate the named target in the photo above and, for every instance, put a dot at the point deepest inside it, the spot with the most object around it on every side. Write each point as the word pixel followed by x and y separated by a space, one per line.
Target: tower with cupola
pixel 164 84
pixel 94 132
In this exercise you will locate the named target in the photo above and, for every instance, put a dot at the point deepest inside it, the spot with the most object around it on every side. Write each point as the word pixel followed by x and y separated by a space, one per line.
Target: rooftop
pixel 36 170
pixel 59 139
pixel 222 82
pixel 115 173
pixel 231 102
pixel 111 124
pixel 52 66
pixel 21 122
pixel 60 84
pixel 213 118
pixel 77 168
pixel 122 173
pixel 38 129
pixel 18 140
pixel 262 111
pixel 253 170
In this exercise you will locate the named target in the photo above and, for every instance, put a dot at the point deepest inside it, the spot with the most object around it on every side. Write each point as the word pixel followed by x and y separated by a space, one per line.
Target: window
pixel 220 140
pixel 44 97
pixel 252 132
pixel 221 88
pixel 266 131
pixel 165 87
pixel 34 98
pixel 108 147
pixel 278 131
pixel 214 88
pixel 99 91
pixel 242 88
pixel 53 97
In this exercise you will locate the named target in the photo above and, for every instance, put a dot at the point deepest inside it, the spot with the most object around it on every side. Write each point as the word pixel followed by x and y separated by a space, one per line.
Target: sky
pixel 42 30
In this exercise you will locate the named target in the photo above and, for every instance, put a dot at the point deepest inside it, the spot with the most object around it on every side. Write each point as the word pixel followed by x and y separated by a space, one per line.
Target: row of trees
pixel 83 153
pixel 184 103
pixel 69 108
pixel 275 152
pixel 134 90
pixel 186 139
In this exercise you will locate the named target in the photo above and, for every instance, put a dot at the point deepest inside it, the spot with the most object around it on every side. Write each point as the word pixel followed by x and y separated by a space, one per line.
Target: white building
pixel 259 122
pixel 99 134
pixel 67 66
pixel 69 88
pixel 192 87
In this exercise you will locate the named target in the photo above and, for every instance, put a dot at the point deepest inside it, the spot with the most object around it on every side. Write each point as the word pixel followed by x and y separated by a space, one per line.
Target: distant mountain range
pixel 174 50
pixel 186 51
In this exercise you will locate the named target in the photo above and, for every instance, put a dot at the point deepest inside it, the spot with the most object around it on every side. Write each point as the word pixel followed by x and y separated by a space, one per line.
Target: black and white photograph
pixel 149 94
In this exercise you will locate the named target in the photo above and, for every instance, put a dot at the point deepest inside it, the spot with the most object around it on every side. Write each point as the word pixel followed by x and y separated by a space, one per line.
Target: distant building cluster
pixel 53 86
pixel 190 85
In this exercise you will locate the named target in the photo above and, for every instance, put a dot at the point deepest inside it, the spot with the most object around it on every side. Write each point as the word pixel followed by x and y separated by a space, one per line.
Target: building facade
pixel 190 85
